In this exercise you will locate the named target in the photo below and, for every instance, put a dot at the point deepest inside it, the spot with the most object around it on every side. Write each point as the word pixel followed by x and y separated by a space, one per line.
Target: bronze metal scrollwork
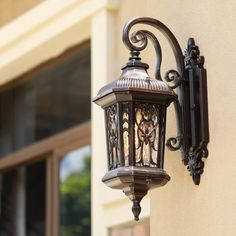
pixel 190 82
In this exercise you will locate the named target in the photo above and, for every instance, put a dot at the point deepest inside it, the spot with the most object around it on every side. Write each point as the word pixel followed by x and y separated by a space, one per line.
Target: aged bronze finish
pixel 135 114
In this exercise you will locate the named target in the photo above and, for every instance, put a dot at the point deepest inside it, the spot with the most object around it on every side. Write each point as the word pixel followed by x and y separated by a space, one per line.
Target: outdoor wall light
pixel 135 115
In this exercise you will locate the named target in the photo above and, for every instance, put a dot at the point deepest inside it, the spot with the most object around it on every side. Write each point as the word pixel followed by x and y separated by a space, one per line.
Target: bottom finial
pixel 136 209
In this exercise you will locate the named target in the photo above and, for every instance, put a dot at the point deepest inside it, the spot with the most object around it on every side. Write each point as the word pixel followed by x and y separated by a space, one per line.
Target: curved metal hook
pixel 163 29
pixel 142 36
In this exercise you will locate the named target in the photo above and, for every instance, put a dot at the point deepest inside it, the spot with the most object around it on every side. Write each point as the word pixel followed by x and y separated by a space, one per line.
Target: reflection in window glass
pixel 138 229
pixel 22 201
pixel 75 216
pixel 51 100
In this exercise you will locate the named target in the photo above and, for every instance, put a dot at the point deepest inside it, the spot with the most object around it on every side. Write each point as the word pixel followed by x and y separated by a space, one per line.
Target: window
pixel 45 149
pixel 46 101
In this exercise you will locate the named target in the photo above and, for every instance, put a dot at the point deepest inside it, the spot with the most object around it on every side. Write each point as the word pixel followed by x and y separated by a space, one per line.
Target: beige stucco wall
pixel 181 208
pixel 10 9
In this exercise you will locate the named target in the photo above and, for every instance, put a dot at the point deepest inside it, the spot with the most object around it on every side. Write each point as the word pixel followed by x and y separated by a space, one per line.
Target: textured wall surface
pixel 10 9
pixel 181 208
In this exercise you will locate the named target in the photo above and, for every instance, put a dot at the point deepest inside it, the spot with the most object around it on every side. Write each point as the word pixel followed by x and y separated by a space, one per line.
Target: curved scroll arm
pixel 189 79
pixel 147 34
pixel 141 37
pixel 174 77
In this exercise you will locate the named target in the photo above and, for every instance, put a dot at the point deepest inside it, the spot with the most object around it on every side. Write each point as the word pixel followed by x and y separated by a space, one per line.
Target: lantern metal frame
pixel 186 87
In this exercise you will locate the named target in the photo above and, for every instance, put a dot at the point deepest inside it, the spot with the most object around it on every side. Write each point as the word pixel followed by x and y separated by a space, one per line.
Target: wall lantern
pixel 135 115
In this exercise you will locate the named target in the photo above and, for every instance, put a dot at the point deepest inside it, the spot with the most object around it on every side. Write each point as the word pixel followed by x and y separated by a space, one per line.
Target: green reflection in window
pixel 75 193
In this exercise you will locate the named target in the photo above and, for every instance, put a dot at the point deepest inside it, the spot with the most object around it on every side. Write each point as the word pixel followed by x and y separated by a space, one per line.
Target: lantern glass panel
pixel 149 134
pixel 135 134
pixel 112 129
pixel 125 127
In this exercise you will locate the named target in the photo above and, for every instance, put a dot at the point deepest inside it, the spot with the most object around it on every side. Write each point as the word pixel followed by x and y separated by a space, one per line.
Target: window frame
pixel 51 150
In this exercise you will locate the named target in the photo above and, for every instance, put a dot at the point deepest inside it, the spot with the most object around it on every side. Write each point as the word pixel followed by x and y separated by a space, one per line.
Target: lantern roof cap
pixel 134 78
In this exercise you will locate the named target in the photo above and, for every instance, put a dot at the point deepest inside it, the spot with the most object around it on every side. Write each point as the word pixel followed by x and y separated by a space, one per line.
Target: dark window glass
pixel 35 199
pixel 51 100
pixel 23 201
pixel 7 202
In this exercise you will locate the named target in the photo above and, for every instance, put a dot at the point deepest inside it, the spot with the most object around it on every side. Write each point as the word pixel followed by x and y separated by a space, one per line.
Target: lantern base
pixel 135 181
